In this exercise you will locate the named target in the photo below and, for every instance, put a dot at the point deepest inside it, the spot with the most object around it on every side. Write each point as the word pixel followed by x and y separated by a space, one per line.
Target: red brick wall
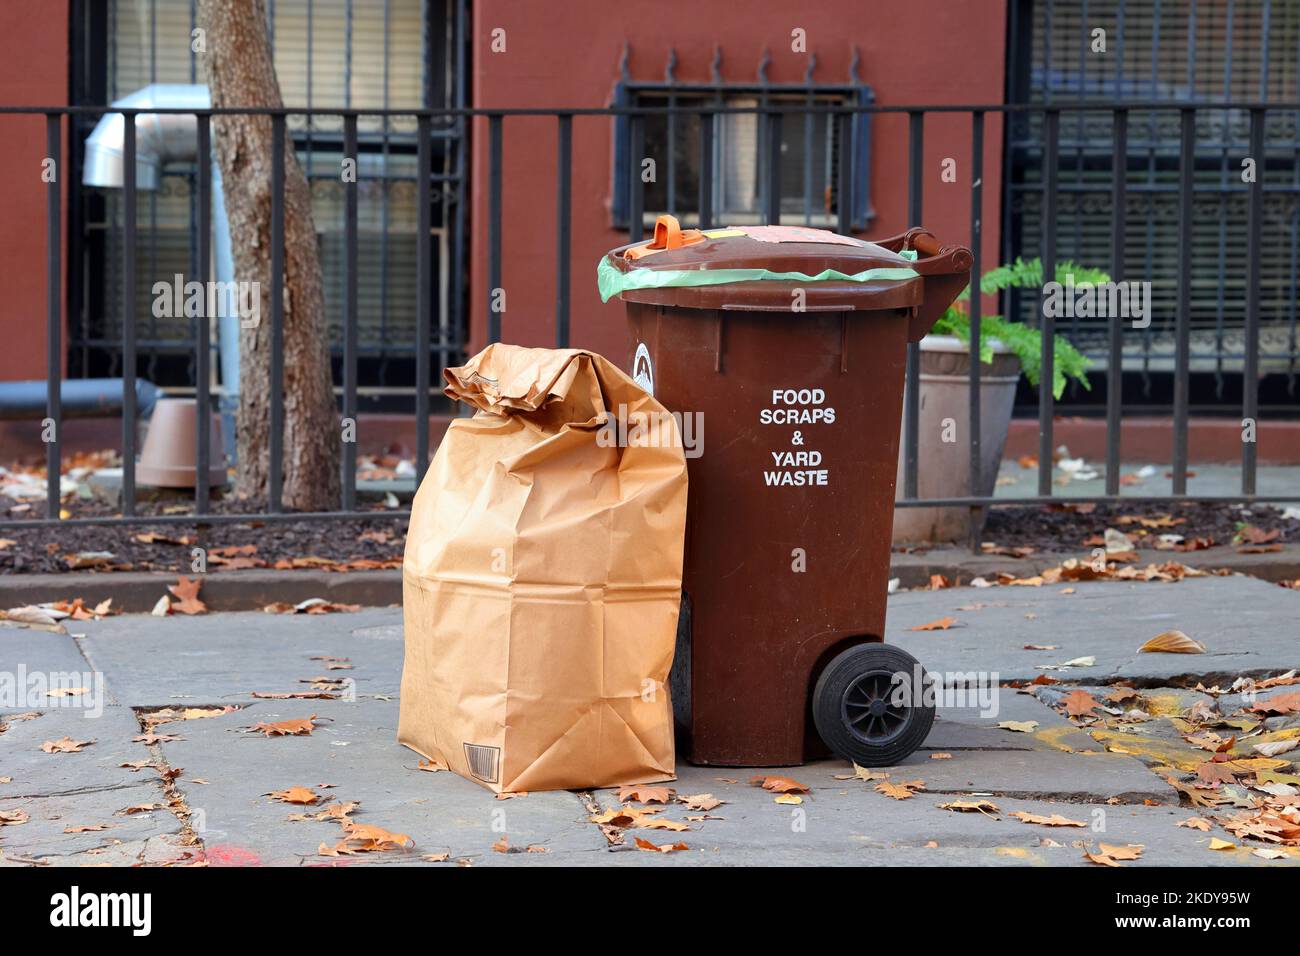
pixel 33 72
pixel 567 54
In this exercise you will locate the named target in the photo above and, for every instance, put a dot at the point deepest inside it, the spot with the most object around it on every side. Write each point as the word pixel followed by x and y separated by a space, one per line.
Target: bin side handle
pixel 933 257
pixel 946 270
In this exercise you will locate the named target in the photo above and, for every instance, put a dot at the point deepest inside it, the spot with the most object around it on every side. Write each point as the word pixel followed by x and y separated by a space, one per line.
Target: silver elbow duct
pixel 160 138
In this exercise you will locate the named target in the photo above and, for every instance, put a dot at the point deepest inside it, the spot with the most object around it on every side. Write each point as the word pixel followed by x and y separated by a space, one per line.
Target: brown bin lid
pixel 941 271
pixel 787 249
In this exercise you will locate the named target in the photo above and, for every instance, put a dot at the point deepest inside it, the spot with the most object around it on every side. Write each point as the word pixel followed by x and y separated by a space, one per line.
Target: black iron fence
pixel 841 118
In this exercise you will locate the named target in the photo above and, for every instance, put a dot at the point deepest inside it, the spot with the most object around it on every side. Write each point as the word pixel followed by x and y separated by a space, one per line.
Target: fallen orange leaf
pixel 1079 703
pixel 643 794
pixel 779 784
pixel 298 795
pixel 942 624
pixel 286 728
pixel 1055 820
pixel 653 848
pixel 187 592
pixel 65 746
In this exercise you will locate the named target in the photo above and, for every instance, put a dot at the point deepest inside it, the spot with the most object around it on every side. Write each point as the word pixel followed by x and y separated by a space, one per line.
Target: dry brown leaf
pixel 701 801
pixel 1055 820
pixel 1079 703
pixel 942 624
pixel 940 756
pixel 1018 726
pixel 187 594
pixel 900 791
pixel 653 848
pixel 987 807
pixel 88 828
pixel 779 784
pixel 659 823
pixel 1195 823
pixel 1280 704
pixel 1129 851
pixel 1273 748
pixel 644 794
pixel 65 746
pixel 368 838
pixel 432 765
pixel 862 773
pixel 1110 855
pixel 11 818
pixel 149 739
pixel 1172 642
pixel 303 796
pixel 436 857
pixel 286 728
pixel 1215 772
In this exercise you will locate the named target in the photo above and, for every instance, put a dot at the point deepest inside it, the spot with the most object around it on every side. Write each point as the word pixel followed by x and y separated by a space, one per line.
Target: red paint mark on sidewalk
pixel 224 855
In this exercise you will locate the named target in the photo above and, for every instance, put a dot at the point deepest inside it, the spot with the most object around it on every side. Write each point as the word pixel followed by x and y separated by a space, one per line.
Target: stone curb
pixel 134 591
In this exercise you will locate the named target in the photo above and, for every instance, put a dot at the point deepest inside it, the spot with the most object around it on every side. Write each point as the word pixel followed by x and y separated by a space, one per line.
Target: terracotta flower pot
pixel 170 447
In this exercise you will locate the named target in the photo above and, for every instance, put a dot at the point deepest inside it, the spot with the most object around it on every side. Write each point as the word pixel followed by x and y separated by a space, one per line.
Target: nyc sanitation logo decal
pixel 643 372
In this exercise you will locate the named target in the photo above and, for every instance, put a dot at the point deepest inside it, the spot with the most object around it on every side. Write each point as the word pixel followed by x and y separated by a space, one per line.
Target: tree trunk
pixel 240 72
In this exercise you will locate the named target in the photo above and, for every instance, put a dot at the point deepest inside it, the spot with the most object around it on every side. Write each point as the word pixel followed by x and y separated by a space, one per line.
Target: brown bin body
pixel 756 631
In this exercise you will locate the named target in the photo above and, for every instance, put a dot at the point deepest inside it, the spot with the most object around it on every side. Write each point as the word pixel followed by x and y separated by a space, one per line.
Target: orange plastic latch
pixel 668 235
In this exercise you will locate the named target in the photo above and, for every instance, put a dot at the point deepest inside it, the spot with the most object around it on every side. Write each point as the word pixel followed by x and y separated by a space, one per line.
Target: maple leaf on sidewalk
pixel 187 593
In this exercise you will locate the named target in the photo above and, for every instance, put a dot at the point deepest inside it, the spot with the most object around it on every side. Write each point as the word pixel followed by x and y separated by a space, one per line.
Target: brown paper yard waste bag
pixel 542 578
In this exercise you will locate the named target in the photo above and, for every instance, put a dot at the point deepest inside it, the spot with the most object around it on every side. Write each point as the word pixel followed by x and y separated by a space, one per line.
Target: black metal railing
pixel 772 116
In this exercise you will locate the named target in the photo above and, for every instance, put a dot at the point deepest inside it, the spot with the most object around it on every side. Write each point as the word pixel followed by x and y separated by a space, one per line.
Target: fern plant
pixel 1025 343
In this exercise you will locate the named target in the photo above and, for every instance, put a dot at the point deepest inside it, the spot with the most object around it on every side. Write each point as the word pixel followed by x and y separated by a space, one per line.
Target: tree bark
pixel 240 72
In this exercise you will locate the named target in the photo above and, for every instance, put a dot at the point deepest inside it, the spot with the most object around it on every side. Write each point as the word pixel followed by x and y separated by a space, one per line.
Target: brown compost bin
pixel 792 389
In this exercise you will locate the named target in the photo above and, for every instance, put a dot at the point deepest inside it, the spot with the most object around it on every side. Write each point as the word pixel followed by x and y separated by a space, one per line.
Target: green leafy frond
pixel 1024 342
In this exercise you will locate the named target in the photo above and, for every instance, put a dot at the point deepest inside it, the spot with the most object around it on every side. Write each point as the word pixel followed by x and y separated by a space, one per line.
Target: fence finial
pixel 670 69
pixel 715 67
pixel 854 62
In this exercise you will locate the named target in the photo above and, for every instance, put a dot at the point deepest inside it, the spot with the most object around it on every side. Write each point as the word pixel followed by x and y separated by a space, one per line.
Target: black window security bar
pixel 368 54
pixel 1167 51
pixel 1053 118
pixel 731 180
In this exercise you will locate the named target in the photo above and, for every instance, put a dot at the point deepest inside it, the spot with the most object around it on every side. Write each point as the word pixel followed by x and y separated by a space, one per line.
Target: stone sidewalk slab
pixel 354 749
pixel 86 788
pixel 225 658
pixel 1248 627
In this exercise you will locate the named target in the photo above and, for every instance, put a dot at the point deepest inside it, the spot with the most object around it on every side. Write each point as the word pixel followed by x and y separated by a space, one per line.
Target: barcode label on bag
pixel 483 761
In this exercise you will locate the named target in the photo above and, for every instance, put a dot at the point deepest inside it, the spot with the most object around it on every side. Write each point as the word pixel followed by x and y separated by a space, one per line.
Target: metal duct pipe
pixel 161 139
pixel 79 398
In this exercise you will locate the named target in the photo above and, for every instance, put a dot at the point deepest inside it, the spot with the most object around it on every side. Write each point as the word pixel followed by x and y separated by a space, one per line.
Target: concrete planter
pixel 944 467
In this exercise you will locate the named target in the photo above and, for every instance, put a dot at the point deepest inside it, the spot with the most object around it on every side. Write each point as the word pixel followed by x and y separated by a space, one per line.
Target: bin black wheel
pixel 865 707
